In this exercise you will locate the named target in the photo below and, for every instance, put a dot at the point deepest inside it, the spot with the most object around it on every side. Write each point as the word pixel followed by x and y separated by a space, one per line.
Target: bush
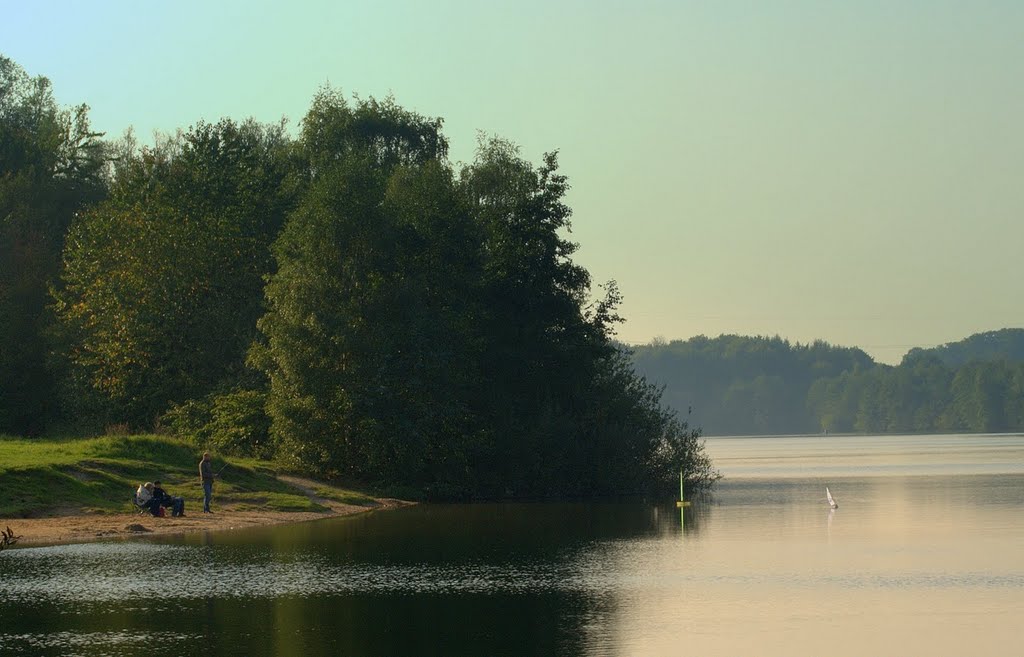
pixel 233 423
pixel 189 420
pixel 239 424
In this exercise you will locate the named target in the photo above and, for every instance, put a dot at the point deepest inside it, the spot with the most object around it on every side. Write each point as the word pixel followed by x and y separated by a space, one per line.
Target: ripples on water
pixel 99 573
pixel 762 554
pixel 91 644
pixel 143 573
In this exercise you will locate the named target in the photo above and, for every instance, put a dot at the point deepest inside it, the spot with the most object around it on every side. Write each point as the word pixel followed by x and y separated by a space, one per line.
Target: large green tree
pixel 432 330
pixel 541 352
pixel 51 166
pixel 367 325
pixel 566 412
pixel 163 282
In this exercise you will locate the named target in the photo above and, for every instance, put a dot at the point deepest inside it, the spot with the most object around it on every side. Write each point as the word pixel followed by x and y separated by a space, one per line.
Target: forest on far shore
pixel 740 385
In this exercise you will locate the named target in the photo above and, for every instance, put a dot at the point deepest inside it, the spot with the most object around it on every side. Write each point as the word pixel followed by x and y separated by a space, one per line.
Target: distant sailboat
pixel 831 502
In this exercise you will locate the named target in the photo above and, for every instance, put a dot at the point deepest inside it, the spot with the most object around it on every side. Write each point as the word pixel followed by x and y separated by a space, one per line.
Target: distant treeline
pixel 736 385
pixel 347 301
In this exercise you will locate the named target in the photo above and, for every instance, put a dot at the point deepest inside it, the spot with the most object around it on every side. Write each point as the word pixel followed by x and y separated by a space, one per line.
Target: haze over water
pixel 921 558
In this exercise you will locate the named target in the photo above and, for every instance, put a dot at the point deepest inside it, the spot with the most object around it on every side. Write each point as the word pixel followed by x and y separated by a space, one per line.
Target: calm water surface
pixel 925 556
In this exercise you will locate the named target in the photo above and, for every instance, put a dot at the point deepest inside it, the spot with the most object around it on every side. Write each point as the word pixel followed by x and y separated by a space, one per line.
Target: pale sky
pixel 849 171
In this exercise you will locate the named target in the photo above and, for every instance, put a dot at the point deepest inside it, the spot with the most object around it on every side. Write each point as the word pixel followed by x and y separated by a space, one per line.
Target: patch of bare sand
pixel 84 528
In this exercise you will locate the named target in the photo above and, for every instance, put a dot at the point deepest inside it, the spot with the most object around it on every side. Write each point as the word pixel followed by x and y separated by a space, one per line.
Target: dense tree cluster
pixel 734 385
pixel 923 394
pixel 51 166
pixel 162 282
pixel 347 300
pixel 1004 344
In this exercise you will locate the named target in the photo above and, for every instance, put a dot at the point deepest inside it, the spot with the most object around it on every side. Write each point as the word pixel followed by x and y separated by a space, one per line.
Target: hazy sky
pixel 850 171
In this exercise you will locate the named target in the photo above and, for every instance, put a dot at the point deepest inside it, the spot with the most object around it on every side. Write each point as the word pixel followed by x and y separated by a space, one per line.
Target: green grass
pixel 43 477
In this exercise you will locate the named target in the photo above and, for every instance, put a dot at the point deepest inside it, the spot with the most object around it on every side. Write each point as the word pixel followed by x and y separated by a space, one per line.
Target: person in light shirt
pixel 144 498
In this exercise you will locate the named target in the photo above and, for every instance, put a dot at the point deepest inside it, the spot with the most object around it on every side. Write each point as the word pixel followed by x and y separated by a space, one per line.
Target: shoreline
pixel 93 527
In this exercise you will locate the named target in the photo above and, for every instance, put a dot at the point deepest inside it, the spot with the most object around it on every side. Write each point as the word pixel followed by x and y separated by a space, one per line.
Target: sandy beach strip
pixel 88 527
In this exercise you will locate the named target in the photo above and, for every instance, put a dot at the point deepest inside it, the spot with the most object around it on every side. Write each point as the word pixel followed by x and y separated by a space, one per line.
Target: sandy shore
pixel 95 526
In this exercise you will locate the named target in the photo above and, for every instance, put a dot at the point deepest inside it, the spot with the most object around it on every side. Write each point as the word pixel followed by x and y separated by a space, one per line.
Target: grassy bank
pixel 41 477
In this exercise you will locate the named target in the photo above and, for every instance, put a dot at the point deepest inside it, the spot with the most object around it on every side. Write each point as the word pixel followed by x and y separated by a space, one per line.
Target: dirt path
pixel 85 528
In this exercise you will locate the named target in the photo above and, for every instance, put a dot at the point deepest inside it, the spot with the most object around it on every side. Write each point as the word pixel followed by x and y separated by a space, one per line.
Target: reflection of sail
pixel 831 502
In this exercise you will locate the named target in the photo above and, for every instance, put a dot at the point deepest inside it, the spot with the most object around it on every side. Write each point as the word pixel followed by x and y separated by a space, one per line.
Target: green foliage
pixel 634 443
pixel 738 385
pixel 189 420
pixel 923 394
pixel 234 423
pixel 734 385
pixel 356 305
pixel 163 283
pixel 348 301
pixel 990 346
pixel 379 131
pixel 432 331
pixel 367 313
pixel 51 165
pixel 239 424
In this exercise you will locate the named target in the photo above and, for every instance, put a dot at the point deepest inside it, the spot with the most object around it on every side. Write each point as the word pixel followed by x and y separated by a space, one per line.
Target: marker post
pixel 682 503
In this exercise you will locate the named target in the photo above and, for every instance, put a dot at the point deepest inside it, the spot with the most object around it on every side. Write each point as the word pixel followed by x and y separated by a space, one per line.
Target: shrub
pixel 232 423
pixel 189 420
pixel 239 424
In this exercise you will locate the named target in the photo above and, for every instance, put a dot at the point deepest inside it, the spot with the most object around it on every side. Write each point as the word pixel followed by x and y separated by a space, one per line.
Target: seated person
pixel 177 504
pixel 144 498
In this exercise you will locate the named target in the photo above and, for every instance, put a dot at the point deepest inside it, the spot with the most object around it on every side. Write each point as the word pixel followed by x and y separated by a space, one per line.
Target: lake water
pixel 925 556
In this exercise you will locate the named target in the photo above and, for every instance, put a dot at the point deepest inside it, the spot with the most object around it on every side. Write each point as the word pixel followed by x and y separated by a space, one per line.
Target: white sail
pixel 831 502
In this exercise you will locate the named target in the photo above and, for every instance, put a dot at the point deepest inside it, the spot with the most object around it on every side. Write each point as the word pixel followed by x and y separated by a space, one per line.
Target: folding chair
pixel 139 508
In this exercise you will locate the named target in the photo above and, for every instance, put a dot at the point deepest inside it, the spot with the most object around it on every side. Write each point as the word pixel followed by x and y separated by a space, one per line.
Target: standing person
pixel 206 476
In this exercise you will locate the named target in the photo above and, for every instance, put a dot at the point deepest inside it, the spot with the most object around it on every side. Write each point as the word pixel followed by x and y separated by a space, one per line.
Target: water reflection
pixel 494 579
pixel 762 567
pixel 443 551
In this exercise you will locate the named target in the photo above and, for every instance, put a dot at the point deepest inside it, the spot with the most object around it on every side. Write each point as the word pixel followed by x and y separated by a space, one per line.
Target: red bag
pixel 160 512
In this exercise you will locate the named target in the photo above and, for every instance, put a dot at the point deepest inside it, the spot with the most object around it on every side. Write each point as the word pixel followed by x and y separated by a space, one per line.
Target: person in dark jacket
pixel 206 476
pixel 176 504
